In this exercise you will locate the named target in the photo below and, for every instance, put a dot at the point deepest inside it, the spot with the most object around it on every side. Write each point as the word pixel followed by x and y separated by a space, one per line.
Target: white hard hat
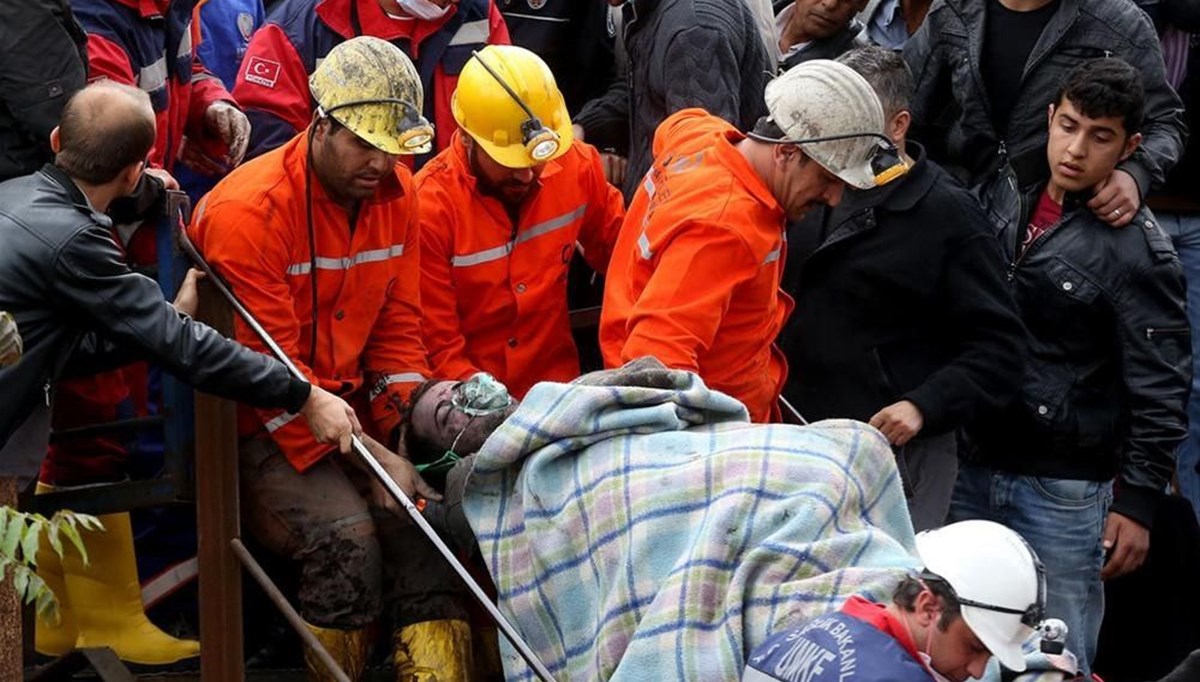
pixel 997 578
pixel 824 98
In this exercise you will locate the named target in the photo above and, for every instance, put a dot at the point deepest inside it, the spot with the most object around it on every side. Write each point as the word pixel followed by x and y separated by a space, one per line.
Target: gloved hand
pixel 646 372
pixel 11 346
pixel 231 125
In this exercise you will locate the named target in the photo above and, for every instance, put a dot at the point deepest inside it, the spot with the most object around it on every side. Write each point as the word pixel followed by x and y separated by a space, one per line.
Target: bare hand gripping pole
pixel 509 631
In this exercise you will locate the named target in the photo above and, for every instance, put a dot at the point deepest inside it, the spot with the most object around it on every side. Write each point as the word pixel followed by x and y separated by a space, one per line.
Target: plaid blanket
pixel 651 533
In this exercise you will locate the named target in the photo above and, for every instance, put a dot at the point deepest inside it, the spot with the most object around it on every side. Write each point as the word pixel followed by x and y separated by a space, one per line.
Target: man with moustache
pixel 319 239
pixel 1077 461
pixel 500 221
pixel 817 29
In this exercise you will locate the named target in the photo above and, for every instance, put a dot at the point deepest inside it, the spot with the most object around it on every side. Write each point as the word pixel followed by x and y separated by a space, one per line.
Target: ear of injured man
pixel 980 594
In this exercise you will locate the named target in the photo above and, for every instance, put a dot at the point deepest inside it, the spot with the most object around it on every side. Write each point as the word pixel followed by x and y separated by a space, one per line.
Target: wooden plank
pixel 221 656
pixel 11 616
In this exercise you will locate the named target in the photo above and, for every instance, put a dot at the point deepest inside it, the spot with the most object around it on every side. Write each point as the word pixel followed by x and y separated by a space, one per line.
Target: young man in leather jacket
pixel 1076 462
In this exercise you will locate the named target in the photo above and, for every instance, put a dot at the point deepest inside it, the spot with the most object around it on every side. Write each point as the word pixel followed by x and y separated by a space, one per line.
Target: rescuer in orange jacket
pixel 696 269
pixel 501 216
pixel 319 239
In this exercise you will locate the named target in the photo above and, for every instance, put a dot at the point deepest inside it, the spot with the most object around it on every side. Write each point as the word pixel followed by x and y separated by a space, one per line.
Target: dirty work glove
pixel 231 125
pixel 644 372
pixel 10 341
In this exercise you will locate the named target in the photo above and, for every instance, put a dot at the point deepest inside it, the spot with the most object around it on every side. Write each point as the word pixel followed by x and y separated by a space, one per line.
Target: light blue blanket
pixel 639 533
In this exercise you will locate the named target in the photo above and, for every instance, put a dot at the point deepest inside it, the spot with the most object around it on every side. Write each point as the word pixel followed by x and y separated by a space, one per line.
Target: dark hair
pixel 98 142
pixel 768 128
pixel 418 450
pixel 1104 87
pixel 910 587
pixel 887 73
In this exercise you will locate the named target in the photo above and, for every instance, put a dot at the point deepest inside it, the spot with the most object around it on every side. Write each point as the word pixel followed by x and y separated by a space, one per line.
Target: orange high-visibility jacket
pixel 494 293
pixel 694 278
pixel 254 230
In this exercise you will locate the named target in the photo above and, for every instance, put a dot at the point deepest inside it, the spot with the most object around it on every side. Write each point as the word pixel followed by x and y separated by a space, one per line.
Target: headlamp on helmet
pixel 886 162
pixel 414 134
pixel 541 143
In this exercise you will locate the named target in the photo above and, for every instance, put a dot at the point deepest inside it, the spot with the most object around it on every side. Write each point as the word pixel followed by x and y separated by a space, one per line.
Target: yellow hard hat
pixel 372 88
pixel 508 102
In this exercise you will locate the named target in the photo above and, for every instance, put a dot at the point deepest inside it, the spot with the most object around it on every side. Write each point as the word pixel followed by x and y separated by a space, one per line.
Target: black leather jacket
pixel 69 288
pixel 950 107
pixel 1110 356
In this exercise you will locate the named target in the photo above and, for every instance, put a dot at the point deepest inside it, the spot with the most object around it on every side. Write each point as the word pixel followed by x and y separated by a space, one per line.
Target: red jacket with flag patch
pixel 148 44
pixel 254 229
pixel 272 84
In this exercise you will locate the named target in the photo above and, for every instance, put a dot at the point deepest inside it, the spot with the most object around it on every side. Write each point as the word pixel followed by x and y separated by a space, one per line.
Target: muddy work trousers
pixel 354 559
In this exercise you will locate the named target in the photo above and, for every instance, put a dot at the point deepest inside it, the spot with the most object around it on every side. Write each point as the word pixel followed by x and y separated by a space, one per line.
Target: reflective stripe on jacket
pixel 148 44
pixel 697 266
pixel 494 293
pixel 253 229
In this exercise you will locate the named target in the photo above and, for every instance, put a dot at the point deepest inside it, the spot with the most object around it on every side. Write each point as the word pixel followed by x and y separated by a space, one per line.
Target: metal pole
pixel 286 609
pixel 373 464
pixel 790 408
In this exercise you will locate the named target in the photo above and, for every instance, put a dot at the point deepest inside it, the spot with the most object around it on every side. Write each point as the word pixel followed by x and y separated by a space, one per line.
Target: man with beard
pixel 319 240
pixel 502 211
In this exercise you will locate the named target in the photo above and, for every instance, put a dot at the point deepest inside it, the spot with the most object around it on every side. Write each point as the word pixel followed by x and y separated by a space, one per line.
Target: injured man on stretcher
pixel 638 527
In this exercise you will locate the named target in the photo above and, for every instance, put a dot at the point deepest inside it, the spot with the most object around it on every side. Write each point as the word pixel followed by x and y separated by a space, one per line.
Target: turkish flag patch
pixel 262 72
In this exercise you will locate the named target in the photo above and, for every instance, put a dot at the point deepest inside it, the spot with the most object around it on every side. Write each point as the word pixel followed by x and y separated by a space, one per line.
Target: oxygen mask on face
pixel 481 394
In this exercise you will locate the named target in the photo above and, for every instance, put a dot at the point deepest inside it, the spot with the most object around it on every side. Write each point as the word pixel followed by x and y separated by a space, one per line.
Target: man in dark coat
pixel 682 53
pixel 1077 462
pixel 574 38
pixel 43 61
pixel 902 318
pixel 987 69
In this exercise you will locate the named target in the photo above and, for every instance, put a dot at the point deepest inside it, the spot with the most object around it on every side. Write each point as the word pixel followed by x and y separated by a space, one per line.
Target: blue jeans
pixel 1063 521
pixel 1185 233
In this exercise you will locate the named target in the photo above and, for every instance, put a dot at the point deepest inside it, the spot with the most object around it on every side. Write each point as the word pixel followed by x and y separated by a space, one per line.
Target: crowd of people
pixel 968 224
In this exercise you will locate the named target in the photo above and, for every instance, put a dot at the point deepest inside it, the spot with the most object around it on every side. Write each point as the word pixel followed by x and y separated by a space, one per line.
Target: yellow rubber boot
pixel 433 651
pixel 107 599
pixel 347 647
pixel 50 638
